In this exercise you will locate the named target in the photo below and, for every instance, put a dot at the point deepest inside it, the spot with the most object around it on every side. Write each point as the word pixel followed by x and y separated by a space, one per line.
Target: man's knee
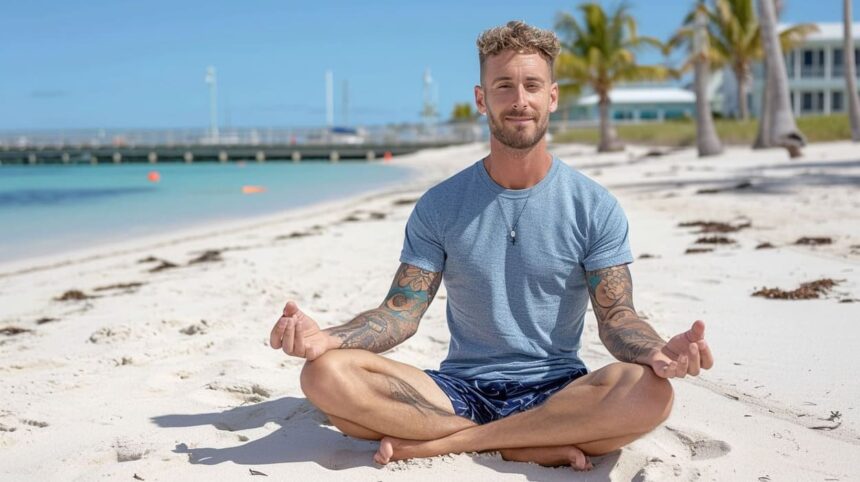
pixel 651 395
pixel 324 378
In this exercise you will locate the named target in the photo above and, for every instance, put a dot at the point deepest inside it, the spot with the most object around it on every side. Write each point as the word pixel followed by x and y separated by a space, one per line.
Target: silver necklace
pixel 513 227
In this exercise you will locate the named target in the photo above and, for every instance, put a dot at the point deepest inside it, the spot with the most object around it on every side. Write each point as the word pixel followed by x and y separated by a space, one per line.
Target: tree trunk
pixel 743 105
pixel 706 135
pixel 783 129
pixel 852 100
pixel 608 137
pixel 762 140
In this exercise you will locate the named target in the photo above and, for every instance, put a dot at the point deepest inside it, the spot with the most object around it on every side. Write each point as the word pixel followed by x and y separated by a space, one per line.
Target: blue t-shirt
pixel 515 311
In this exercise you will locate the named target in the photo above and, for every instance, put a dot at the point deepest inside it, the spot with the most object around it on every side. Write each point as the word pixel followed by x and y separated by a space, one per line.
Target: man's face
pixel 517 94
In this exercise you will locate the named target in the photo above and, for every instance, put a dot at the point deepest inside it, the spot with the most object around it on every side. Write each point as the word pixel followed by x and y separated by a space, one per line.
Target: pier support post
pixel 65 157
pixel 189 157
pixel 261 156
pixel 334 156
pixel 371 155
pixel 117 158
pixel 31 158
pixel 152 157
pixel 297 156
pixel 222 157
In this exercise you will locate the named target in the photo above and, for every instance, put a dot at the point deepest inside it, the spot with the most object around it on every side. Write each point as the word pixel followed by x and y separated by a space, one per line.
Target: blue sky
pixel 116 64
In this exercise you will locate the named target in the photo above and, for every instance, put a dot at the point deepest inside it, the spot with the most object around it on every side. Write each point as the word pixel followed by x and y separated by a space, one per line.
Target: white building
pixel 815 72
pixel 637 104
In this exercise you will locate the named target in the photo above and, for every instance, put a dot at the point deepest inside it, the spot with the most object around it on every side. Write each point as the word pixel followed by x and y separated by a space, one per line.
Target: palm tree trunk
pixel 762 140
pixel 851 97
pixel 608 137
pixel 706 135
pixel 783 129
pixel 743 105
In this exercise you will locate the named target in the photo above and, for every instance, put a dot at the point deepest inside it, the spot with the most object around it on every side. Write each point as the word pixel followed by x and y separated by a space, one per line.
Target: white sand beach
pixel 167 374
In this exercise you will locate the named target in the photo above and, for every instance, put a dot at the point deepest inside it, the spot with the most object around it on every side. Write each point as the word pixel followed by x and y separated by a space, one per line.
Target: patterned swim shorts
pixel 484 401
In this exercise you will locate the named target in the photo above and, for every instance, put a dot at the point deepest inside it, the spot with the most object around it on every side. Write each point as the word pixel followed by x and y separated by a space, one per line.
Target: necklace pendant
pixel 513 237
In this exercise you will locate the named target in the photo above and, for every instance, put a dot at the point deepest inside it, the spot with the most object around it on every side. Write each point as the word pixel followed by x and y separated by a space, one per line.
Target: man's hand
pixel 299 335
pixel 685 354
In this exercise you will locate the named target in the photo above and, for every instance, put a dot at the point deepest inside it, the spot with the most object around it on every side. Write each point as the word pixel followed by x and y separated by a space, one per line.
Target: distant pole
pixel 213 107
pixel 345 102
pixel 429 111
pixel 329 98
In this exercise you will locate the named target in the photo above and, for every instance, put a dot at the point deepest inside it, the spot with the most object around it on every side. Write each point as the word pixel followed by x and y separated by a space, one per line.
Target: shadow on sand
pixel 304 436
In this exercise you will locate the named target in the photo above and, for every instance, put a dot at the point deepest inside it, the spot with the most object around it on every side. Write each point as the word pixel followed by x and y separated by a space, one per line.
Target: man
pixel 518 276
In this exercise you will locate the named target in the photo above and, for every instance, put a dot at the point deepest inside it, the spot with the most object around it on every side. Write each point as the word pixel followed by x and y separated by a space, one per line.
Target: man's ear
pixel 553 97
pixel 479 100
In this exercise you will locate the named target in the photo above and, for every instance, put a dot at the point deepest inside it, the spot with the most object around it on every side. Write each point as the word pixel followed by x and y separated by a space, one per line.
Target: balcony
pixel 812 72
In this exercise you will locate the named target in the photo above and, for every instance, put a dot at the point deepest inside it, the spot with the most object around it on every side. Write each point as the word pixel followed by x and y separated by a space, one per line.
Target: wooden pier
pixel 83 154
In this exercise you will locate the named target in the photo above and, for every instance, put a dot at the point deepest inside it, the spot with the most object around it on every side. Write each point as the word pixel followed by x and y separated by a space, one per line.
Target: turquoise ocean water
pixel 51 209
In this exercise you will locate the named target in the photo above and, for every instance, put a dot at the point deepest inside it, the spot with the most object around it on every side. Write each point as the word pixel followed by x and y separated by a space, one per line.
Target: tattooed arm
pixel 625 335
pixel 375 330
pixel 630 339
pixel 396 319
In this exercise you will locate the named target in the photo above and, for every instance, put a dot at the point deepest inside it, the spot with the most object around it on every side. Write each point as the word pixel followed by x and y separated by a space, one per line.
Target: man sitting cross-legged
pixel 522 241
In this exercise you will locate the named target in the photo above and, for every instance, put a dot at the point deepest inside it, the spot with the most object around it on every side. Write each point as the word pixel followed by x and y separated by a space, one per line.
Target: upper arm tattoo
pixel 611 291
pixel 625 335
pixel 396 319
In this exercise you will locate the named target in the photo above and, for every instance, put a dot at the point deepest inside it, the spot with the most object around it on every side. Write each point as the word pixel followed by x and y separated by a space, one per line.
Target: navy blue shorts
pixel 483 401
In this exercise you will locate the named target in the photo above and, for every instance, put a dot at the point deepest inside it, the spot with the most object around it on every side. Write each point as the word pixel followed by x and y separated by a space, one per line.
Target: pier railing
pixel 96 146
pixel 395 135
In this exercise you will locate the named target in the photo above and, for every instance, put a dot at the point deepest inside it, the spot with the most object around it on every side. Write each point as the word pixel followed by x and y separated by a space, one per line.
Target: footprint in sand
pixel 657 470
pixel 249 392
pixel 127 450
pixel 701 447
pixel 110 334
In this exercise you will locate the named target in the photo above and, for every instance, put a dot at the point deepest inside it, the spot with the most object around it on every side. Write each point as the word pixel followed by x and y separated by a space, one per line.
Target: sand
pixel 166 374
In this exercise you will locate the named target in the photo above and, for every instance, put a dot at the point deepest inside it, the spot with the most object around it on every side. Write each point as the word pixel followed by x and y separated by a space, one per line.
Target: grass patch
pixel 682 133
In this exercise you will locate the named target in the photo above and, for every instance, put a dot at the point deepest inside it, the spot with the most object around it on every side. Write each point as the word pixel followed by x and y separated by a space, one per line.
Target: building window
pixel 812 102
pixel 789 63
pixel 812 63
pixel 838 62
pixel 836 101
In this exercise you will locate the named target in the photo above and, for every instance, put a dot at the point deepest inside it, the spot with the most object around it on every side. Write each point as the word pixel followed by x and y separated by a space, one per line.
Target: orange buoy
pixel 153 176
pixel 387 156
pixel 253 189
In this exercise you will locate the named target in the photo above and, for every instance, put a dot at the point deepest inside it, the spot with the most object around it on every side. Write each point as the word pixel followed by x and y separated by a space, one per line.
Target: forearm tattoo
pixel 397 317
pixel 626 336
pixel 402 391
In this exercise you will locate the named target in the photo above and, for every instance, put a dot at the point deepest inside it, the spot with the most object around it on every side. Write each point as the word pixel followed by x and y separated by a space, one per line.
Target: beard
pixel 517 137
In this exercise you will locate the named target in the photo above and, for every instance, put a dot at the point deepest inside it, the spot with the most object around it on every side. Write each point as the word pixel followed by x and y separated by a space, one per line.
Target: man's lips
pixel 519 119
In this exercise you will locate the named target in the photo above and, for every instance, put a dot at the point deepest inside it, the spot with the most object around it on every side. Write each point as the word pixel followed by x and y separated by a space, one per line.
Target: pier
pixel 234 145
pixel 206 153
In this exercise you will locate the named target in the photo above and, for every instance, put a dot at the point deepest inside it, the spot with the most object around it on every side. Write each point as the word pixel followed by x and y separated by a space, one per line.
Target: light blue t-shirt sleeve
pixel 422 246
pixel 608 237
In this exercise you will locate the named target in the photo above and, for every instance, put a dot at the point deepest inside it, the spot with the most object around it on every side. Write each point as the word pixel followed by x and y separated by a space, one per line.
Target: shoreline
pixel 171 378
pixel 109 248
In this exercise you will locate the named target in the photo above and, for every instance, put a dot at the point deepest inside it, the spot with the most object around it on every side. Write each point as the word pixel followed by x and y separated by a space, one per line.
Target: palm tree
pixel 735 40
pixel 852 98
pixel 599 52
pixel 780 128
pixel 707 141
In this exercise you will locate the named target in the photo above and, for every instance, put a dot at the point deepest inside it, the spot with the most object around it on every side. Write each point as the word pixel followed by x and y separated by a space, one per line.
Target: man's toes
pixel 578 460
pixel 385 451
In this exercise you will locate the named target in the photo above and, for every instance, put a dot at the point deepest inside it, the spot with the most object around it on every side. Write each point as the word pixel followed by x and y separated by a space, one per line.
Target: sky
pixel 126 65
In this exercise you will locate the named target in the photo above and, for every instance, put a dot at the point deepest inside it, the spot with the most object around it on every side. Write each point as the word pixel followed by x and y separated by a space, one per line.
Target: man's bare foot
pixel 392 449
pixel 550 456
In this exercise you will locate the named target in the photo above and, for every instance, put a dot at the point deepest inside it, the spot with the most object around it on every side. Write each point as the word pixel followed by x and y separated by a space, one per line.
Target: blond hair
pixel 520 37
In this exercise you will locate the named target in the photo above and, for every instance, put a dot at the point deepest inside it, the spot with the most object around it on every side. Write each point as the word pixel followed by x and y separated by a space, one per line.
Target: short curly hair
pixel 520 37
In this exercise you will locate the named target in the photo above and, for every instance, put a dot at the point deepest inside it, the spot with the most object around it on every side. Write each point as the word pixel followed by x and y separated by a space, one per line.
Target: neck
pixel 517 168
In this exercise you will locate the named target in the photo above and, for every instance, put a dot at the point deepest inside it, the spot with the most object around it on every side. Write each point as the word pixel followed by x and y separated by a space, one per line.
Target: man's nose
pixel 520 100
